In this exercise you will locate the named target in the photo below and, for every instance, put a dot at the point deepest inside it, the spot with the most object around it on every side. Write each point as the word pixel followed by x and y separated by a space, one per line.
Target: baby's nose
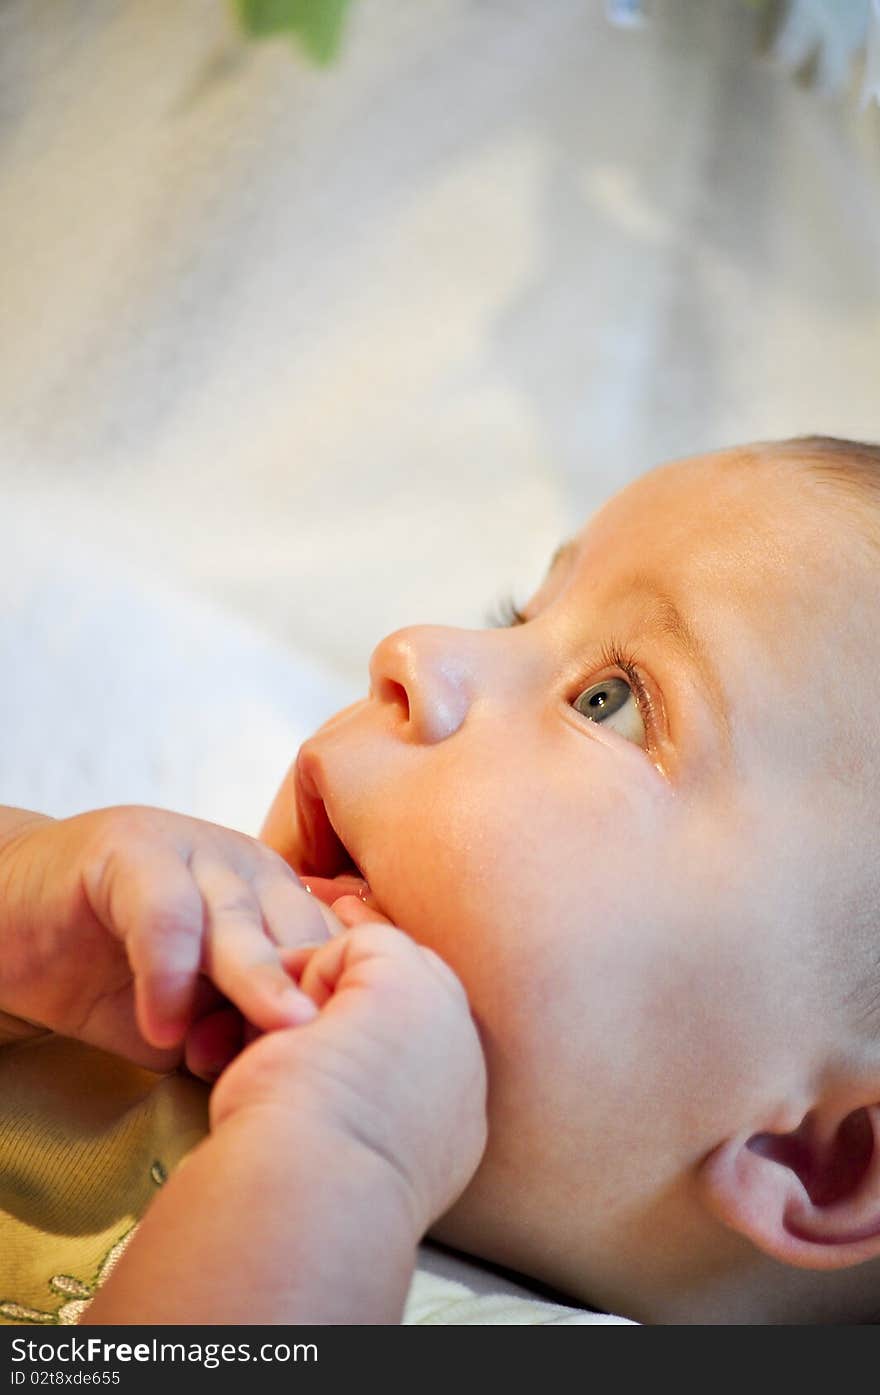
pixel 424 671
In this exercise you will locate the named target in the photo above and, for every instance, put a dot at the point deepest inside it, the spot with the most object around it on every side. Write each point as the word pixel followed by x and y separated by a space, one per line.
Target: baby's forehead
pixel 742 528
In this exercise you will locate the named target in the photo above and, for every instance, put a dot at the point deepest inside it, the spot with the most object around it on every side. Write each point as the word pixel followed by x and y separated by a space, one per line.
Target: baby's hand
pixel 124 926
pixel 393 1063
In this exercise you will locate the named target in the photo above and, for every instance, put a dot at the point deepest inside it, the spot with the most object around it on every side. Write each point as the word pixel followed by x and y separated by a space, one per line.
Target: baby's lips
pixel 330 889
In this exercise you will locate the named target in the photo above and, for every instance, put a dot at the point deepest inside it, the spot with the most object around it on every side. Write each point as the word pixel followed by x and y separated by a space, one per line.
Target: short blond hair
pixel 850 468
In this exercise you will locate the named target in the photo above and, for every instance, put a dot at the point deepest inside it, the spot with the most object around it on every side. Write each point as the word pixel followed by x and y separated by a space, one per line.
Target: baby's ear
pixel 811 1197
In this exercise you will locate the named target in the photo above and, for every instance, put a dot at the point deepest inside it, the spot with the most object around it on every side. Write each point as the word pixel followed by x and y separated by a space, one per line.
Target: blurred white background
pixel 338 350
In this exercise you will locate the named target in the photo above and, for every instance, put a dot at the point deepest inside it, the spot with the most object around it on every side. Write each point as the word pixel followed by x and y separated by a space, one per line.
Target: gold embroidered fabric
pixel 86 1139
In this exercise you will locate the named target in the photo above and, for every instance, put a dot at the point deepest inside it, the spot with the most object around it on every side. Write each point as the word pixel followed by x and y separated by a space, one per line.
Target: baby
pixel 619 826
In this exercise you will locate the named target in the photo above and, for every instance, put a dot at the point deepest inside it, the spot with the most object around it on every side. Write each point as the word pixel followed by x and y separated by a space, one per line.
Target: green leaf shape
pixel 318 24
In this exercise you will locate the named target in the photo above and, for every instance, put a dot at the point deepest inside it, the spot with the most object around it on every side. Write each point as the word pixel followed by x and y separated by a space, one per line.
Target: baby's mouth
pixel 327 868
pixel 330 889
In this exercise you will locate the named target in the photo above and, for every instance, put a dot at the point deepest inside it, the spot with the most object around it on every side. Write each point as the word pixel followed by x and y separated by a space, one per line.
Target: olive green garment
pixel 86 1140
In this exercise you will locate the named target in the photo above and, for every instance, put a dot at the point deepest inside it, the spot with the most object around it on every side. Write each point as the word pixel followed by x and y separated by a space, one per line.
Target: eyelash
pixel 507 616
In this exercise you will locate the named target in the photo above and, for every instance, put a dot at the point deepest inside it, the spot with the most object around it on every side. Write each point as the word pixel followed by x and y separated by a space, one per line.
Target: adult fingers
pixel 291 914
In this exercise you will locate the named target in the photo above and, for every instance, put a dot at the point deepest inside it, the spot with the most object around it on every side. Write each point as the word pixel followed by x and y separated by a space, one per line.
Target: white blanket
pixel 450 1290
pixel 120 690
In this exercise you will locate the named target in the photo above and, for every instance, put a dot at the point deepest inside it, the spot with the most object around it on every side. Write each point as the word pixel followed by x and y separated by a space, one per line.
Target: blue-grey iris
pixel 603 699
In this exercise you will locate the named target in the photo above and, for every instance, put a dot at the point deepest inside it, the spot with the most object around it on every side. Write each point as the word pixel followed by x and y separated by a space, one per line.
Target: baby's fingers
pixel 322 970
pixel 213 1041
pixel 345 914
pixel 351 910
pixel 238 955
pixel 162 934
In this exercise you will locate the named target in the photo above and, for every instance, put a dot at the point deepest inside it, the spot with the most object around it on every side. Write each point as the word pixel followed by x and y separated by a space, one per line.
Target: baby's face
pixel 607 821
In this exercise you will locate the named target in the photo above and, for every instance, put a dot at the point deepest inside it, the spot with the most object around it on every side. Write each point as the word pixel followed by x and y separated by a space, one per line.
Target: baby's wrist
pixel 329 1157
pixel 275 1085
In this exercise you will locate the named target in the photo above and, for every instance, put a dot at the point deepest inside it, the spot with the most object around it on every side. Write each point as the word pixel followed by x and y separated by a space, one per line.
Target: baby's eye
pixel 613 701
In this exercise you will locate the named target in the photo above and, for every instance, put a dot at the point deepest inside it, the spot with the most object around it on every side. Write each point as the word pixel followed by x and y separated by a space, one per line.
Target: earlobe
pixel 809 1198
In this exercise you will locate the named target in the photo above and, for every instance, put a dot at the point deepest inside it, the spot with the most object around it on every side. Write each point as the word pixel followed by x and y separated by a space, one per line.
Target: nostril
pixel 389 690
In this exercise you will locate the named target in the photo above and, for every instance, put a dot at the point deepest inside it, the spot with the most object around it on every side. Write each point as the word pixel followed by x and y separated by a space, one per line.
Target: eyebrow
pixel 668 621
